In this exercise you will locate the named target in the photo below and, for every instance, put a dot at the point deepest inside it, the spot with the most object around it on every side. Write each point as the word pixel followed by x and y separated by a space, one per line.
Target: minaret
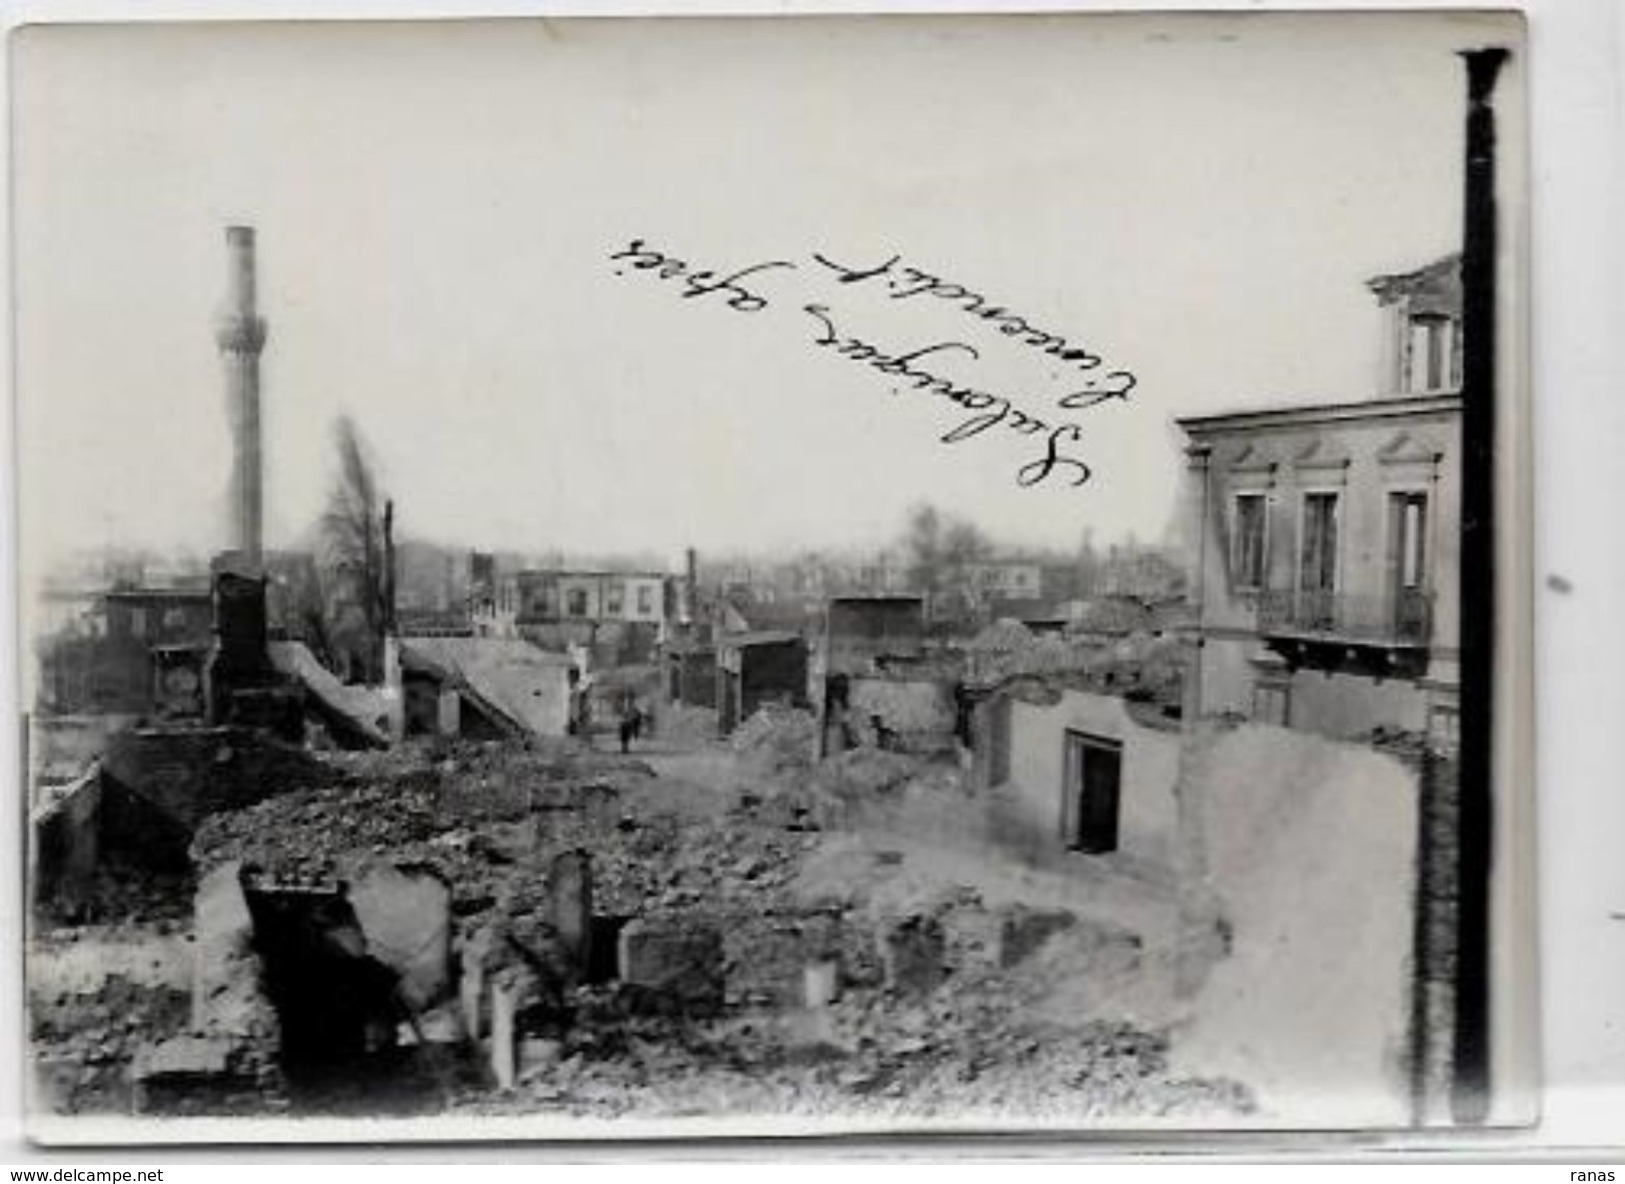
pixel 240 335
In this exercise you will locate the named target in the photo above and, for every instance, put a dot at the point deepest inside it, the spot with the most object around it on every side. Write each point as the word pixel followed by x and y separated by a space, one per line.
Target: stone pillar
pixel 504 1005
pixel 821 984
pixel 449 713
pixel 394 689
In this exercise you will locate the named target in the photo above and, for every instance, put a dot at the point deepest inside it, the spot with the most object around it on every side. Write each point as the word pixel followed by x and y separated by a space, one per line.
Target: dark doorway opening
pixel 603 956
pixel 1092 793
pixel 339 1008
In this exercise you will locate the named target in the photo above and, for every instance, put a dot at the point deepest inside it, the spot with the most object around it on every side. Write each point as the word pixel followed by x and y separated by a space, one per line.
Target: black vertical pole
pixel 1470 1096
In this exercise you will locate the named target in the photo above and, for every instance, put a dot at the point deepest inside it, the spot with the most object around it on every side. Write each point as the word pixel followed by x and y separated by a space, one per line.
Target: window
pixel 1317 566
pixel 138 622
pixel 1407 563
pixel 576 600
pixel 1091 793
pixel 614 600
pixel 1247 541
pixel 1410 537
pixel 646 601
pixel 1433 355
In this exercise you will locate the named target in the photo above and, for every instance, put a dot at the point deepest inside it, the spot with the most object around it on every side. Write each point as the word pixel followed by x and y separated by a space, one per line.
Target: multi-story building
pixel 1325 566
pixel 591 596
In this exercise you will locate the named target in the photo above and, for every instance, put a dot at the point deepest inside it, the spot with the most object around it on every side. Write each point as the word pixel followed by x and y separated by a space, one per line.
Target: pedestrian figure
pixel 629 728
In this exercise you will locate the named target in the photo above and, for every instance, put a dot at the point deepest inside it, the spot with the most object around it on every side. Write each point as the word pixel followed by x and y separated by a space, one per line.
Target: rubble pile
pixel 640 946
pixel 683 723
pixel 85 1041
pixel 777 738
pixel 869 788
pixel 956 1051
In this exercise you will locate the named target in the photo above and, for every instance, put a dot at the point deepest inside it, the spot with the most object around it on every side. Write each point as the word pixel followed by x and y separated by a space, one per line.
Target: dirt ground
pixel 1050 1000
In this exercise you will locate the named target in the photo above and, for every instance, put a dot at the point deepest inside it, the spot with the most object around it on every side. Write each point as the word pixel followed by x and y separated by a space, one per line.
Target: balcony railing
pixel 1403 619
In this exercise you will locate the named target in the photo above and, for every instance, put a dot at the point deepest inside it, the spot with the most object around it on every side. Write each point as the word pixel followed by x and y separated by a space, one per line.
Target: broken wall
pixel 1026 812
pixel 921 713
pixel 60 747
pixel 66 838
pixel 750 677
pixel 100 849
pixel 695 677
pixel 1299 854
pixel 194 772
pixel 1330 703
pixel 1350 705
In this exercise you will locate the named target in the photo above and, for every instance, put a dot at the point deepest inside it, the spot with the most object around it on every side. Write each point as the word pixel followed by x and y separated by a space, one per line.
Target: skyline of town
pixel 586 410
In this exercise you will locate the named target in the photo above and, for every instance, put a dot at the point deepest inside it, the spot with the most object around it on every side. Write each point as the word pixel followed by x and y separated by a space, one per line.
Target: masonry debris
pixel 489 926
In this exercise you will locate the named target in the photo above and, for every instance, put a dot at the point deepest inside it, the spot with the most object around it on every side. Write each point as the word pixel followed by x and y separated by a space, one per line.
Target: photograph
pixel 774 575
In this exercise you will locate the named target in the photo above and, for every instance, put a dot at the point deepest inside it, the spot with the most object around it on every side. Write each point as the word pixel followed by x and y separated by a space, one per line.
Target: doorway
pixel 1091 796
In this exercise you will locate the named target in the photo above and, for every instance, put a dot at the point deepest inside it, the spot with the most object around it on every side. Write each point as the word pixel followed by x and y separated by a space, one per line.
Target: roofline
pixel 572 574
pixel 157 593
pixel 758 637
pixel 870 598
pixel 1316 413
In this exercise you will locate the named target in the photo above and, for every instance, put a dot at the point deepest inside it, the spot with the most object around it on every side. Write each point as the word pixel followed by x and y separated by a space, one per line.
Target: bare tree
pixel 940 550
pixel 922 543
pixel 356 551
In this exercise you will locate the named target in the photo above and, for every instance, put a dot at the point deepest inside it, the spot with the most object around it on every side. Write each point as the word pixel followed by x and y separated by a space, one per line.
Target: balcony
pixel 1374 636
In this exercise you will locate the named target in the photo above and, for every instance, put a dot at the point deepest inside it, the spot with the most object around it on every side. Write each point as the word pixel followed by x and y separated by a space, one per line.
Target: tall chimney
pixel 240 335
pixel 691 581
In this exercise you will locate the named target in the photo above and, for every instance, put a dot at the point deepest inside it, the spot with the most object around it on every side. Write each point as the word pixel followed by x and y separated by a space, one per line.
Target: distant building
pixel 591 596
pixel 860 631
pixel 1005 580
pixel 1325 570
pixel 1148 574
pixel 140 651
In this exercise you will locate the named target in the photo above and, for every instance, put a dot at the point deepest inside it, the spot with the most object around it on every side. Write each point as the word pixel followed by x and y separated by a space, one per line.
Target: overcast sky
pixel 1199 203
